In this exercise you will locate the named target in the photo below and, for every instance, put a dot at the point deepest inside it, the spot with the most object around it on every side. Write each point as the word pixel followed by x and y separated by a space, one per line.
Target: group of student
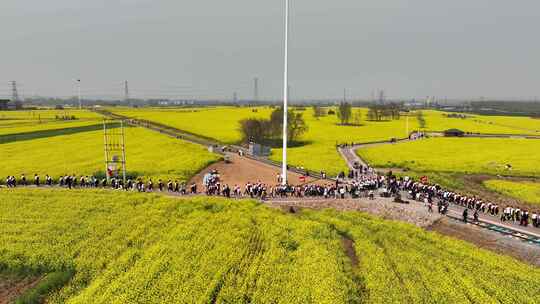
pixel 364 186
pixel 84 181
pixel 362 182
pixel 473 204
pixel 12 182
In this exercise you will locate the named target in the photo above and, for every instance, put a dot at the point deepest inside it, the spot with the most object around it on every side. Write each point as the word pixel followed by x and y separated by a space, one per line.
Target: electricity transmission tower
pixel 15 95
pixel 14 92
pixel 115 149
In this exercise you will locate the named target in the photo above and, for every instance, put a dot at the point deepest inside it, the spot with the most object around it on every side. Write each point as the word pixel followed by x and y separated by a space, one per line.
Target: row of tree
pixel 390 111
pixel 267 131
pixel 375 112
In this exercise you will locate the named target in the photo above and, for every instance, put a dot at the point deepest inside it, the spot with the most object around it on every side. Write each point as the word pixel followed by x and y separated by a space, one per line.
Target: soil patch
pixel 241 170
pixel 11 287
pixel 348 246
pixel 489 240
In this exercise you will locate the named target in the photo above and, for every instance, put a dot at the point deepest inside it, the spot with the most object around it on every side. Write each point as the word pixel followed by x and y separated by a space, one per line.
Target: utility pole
pixel 285 94
pixel 126 92
pixel 235 97
pixel 79 93
pixel 256 89
pixel 344 95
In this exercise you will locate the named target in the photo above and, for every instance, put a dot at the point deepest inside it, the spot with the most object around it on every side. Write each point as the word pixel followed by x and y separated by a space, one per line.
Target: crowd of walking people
pixel 84 181
pixel 362 181
pixel 362 187
pixel 471 204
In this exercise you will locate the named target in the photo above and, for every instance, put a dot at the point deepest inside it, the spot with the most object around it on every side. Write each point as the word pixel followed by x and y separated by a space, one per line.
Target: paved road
pixel 457 211
pixel 348 153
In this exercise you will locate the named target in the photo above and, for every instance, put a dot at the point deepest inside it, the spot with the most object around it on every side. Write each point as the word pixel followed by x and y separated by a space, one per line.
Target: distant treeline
pixel 518 108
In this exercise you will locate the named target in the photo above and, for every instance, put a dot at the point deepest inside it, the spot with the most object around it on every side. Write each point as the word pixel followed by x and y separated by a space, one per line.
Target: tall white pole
pixel 79 92
pixel 285 94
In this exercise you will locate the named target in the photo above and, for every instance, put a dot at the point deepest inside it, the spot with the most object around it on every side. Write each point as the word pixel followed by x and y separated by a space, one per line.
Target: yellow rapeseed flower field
pixel 318 151
pixel 463 155
pixel 126 247
pixel 19 122
pixel 149 155
pixel 525 191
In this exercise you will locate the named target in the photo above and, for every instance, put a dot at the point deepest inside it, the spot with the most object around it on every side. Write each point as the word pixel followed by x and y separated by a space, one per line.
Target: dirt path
pixel 11 287
pixel 241 170
pixel 473 183
pixel 349 152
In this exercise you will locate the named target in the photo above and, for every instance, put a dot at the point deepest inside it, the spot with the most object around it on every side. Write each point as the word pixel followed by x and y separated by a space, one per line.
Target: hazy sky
pixel 183 48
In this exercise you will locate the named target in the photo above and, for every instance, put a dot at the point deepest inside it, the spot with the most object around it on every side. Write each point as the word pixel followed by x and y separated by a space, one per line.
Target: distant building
pixel 4 104
pixel 259 150
pixel 454 133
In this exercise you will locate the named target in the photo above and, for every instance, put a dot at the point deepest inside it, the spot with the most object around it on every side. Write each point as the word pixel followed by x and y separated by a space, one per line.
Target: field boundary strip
pixel 39 134
pixel 487 135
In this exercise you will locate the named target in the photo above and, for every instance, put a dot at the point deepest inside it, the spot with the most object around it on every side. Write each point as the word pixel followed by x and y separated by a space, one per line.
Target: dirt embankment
pixel 414 213
pixel 489 240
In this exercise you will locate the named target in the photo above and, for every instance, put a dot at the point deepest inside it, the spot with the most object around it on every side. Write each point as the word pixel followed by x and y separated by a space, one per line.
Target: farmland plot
pixel 149 155
pixel 525 191
pixel 463 155
pixel 317 150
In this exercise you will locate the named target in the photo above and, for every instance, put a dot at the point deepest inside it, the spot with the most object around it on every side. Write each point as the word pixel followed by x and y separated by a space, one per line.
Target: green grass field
pixel 319 152
pixel 525 191
pixel 144 248
pixel 463 155
pixel 149 155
